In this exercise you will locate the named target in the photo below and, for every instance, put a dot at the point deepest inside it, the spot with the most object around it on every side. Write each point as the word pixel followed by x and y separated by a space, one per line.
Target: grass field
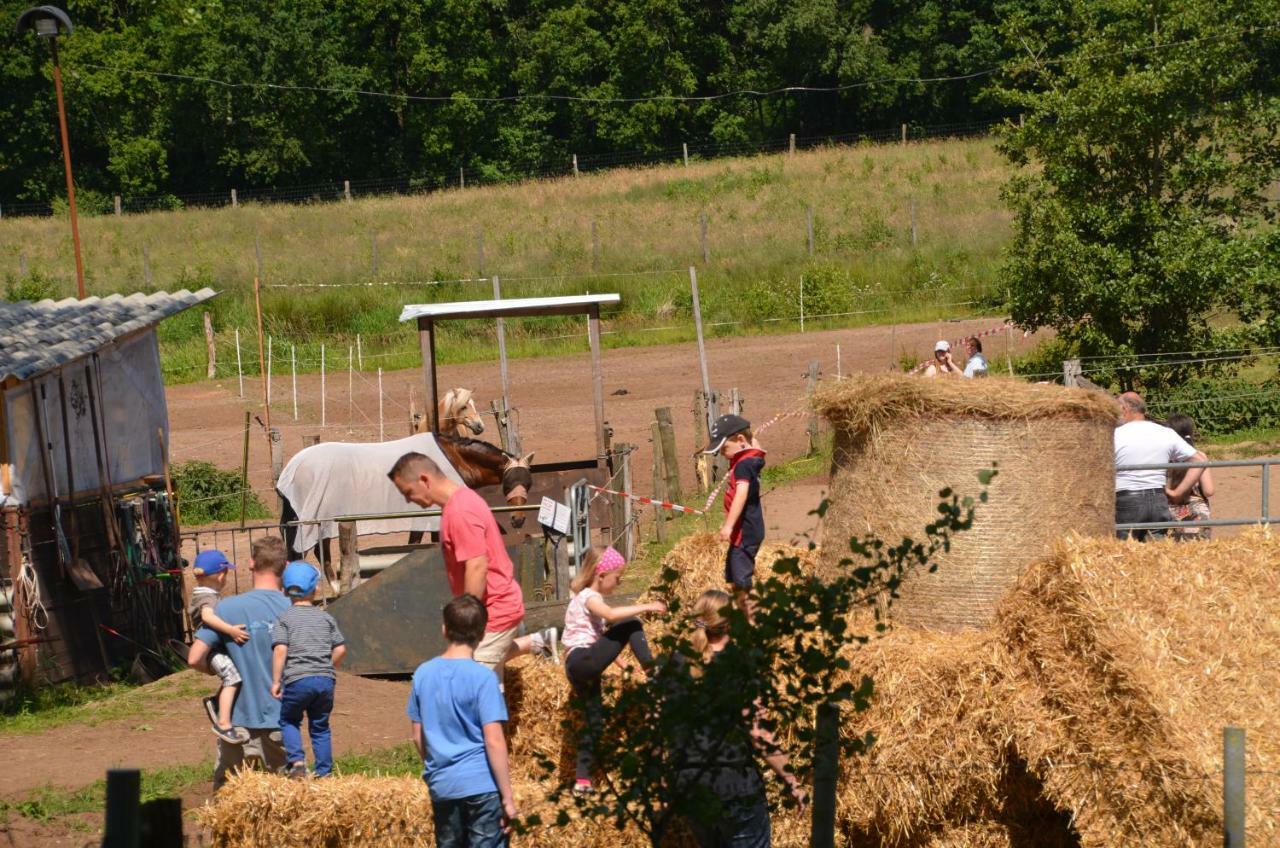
pixel 371 256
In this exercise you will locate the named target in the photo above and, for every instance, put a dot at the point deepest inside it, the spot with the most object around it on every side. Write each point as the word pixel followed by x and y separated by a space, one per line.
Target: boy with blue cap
pixel 210 570
pixel 307 649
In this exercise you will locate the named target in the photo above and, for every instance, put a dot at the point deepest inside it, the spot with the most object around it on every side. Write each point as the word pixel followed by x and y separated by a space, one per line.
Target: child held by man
pixel 457 715
pixel 743 526
pixel 307 648
pixel 595 635
pixel 210 570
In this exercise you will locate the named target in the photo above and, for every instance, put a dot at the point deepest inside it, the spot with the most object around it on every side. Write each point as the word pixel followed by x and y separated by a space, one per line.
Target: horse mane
pixel 468 443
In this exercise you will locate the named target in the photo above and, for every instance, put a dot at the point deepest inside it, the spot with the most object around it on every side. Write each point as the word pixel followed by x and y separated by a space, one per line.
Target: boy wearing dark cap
pixel 210 570
pixel 307 648
pixel 743 526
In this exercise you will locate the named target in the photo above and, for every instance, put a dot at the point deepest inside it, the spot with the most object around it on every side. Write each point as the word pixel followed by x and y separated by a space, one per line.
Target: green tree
pixel 1140 208
pixel 793 661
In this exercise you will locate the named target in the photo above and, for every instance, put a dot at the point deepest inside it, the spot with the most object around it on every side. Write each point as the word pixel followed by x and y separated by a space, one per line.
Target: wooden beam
pixel 427 342
pixel 597 377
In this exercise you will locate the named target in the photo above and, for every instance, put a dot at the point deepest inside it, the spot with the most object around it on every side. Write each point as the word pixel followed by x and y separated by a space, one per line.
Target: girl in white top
pixel 595 635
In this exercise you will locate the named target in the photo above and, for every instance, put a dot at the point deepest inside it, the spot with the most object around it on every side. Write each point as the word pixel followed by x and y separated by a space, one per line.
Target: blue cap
pixel 300 579
pixel 211 562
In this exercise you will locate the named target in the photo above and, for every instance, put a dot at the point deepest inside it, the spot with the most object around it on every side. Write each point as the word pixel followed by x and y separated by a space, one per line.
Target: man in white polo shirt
pixel 1140 495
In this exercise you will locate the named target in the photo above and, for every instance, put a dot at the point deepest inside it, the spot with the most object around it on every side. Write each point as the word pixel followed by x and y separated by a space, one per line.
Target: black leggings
pixel 584 666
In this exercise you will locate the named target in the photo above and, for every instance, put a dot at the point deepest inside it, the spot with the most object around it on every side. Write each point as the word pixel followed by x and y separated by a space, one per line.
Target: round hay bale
pixel 899 440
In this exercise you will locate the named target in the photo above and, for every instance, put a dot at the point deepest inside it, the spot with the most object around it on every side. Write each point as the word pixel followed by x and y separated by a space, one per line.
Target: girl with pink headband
pixel 596 634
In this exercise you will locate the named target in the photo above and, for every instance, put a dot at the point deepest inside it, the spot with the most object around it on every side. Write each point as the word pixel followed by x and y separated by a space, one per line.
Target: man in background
pixel 1140 495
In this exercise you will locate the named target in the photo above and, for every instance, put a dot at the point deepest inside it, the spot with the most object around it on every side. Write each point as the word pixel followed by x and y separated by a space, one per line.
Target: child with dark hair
pixel 1189 505
pixel 456 710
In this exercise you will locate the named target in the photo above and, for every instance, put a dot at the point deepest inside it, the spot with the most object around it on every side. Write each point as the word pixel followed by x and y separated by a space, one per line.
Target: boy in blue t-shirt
pixel 457 713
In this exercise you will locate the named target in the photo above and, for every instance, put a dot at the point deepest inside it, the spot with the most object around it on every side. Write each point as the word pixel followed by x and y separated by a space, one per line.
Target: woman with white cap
pixel 942 362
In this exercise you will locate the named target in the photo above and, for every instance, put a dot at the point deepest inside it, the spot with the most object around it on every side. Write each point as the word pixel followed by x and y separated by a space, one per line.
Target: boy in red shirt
pixel 475 558
pixel 743 526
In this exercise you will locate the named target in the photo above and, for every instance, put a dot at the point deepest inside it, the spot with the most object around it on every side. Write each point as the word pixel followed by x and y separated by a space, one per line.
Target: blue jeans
pixel 313 696
pixel 474 822
pixel 743 824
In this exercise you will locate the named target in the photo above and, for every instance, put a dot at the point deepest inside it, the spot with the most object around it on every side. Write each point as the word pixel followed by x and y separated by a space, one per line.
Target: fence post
pixel 323 421
pixel 235 201
pixel 809 221
pixel 161 823
pixel 381 432
pixel 266 371
pixel 123 823
pixel 904 133
pixel 1233 793
pixel 839 371
pixel 117 205
pixel 359 352
pixel 575 164
pixel 1071 371
pixel 502 349
pixel 802 303
pixel 373 254
pixel 671 465
pixel 685 147
pixel 719 465
pixel 351 387
pixel 913 223
pixel 348 556
pixel 702 463
pixel 706 248
pixel 293 377
pixel 628 531
pixel 239 365
pixel 735 401
pixel 826 772
pixel 595 246
pixel 1008 347
pixel 146 267
pixel 346 190
pixel 697 325
pixel 244 470
pixel 277 461
pixel 462 178
pixel 811 386
pixel 480 252
pixel 659 483
pixel 210 348
pixel 791 146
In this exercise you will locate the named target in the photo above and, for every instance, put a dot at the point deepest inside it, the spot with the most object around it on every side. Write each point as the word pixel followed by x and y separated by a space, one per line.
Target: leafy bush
pixel 34 286
pixel 207 494
pixel 1221 405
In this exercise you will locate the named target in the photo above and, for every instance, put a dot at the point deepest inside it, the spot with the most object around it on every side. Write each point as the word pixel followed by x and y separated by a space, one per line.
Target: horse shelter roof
pixel 517 307
pixel 37 337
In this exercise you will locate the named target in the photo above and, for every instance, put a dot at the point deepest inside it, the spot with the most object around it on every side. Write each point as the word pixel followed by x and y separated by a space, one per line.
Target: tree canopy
pixel 216 123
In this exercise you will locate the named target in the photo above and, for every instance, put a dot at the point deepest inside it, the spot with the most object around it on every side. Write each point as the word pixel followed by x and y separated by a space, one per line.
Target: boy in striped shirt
pixel 307 648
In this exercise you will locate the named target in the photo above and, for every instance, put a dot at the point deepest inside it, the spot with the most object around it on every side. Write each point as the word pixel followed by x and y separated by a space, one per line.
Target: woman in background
pixel 1188 504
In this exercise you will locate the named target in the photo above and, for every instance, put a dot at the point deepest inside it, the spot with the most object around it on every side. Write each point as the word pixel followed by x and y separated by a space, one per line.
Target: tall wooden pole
pixel 66 166
pixel 262 352
pixel 502 349
pixel 697 325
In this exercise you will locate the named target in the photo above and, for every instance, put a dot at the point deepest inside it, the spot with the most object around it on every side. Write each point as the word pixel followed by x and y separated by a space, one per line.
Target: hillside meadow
pixel 332 271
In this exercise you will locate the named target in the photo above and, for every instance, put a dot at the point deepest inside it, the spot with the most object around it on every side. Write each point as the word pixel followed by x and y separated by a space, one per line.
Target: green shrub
pixel 207 494
pixel 1221 405
pixel 33 286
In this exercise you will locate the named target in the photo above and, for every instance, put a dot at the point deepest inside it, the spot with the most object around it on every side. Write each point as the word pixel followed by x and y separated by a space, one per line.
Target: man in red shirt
pixel 475 559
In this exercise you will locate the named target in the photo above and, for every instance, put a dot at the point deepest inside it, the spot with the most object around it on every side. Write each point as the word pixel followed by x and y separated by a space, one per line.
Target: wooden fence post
pixel 685 147
pixel 211 349
pixel 293 377
pixel 913 223
pixel 123 822
pixel 1233 789
pixel 826 773
pixel 628 531
pixel 239 365
pixel 812 384
pixel 702 463
pixel 706 249
pixel 735 401
pixel 244 471
pixel 671 465
pixel 1071 372
pixel 346 190
pixel 904 133
pixel 719 465
pixel 595 246
pixel 791 146
pixel 575 164
pixel 146 269
pixel 659 483
pixel 373 255
pixel 809 221
pixel 480 252
pixel 617 516
pixel 117 206
pixel 277 461
pixel 235 201
pixel 348 557
pixel 697 326
pixel 462 178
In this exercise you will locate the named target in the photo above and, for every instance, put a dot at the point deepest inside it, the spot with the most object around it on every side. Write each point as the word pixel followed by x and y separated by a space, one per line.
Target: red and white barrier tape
pixel 642 499
pixel 798 411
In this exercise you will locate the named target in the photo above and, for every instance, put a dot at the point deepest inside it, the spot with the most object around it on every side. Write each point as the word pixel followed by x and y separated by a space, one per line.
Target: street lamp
pixel 48 22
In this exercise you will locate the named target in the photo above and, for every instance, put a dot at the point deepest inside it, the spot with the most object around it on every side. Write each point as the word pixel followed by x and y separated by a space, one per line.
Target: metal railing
pixel 1265 517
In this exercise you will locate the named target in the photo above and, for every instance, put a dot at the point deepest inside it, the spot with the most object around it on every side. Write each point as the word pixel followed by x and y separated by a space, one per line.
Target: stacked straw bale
pixel 1136 657
pixel 899 440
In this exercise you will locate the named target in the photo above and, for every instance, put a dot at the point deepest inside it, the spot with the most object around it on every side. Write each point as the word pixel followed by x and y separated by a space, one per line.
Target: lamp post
pixel 48 22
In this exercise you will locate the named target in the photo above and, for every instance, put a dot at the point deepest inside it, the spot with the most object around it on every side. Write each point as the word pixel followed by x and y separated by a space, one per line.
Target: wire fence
pixel 570 164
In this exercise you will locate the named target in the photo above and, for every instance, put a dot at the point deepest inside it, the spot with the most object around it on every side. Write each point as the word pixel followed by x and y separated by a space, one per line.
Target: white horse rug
pixel 332 479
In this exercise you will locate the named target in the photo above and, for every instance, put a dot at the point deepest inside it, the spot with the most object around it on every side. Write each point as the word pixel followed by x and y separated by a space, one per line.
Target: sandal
pixel 231 735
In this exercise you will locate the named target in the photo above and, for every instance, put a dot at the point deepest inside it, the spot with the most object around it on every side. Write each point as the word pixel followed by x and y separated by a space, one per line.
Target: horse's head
pixel 517 479
pixel 458 410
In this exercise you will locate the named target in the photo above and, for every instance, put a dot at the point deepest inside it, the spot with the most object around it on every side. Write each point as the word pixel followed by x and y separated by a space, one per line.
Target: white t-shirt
pixel 976 366
pixel 581 628
pixel 1144 443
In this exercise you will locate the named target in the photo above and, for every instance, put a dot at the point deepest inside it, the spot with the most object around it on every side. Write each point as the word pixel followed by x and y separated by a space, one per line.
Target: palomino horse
pixel 458 414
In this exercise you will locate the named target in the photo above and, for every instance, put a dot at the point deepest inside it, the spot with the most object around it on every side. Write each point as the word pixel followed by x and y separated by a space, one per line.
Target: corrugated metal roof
pixel 38 337
pixel 510 308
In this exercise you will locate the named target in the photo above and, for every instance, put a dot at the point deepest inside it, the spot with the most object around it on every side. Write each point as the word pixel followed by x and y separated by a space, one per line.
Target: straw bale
pixel 900 440
pixel 699 558
pixel 1131 659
